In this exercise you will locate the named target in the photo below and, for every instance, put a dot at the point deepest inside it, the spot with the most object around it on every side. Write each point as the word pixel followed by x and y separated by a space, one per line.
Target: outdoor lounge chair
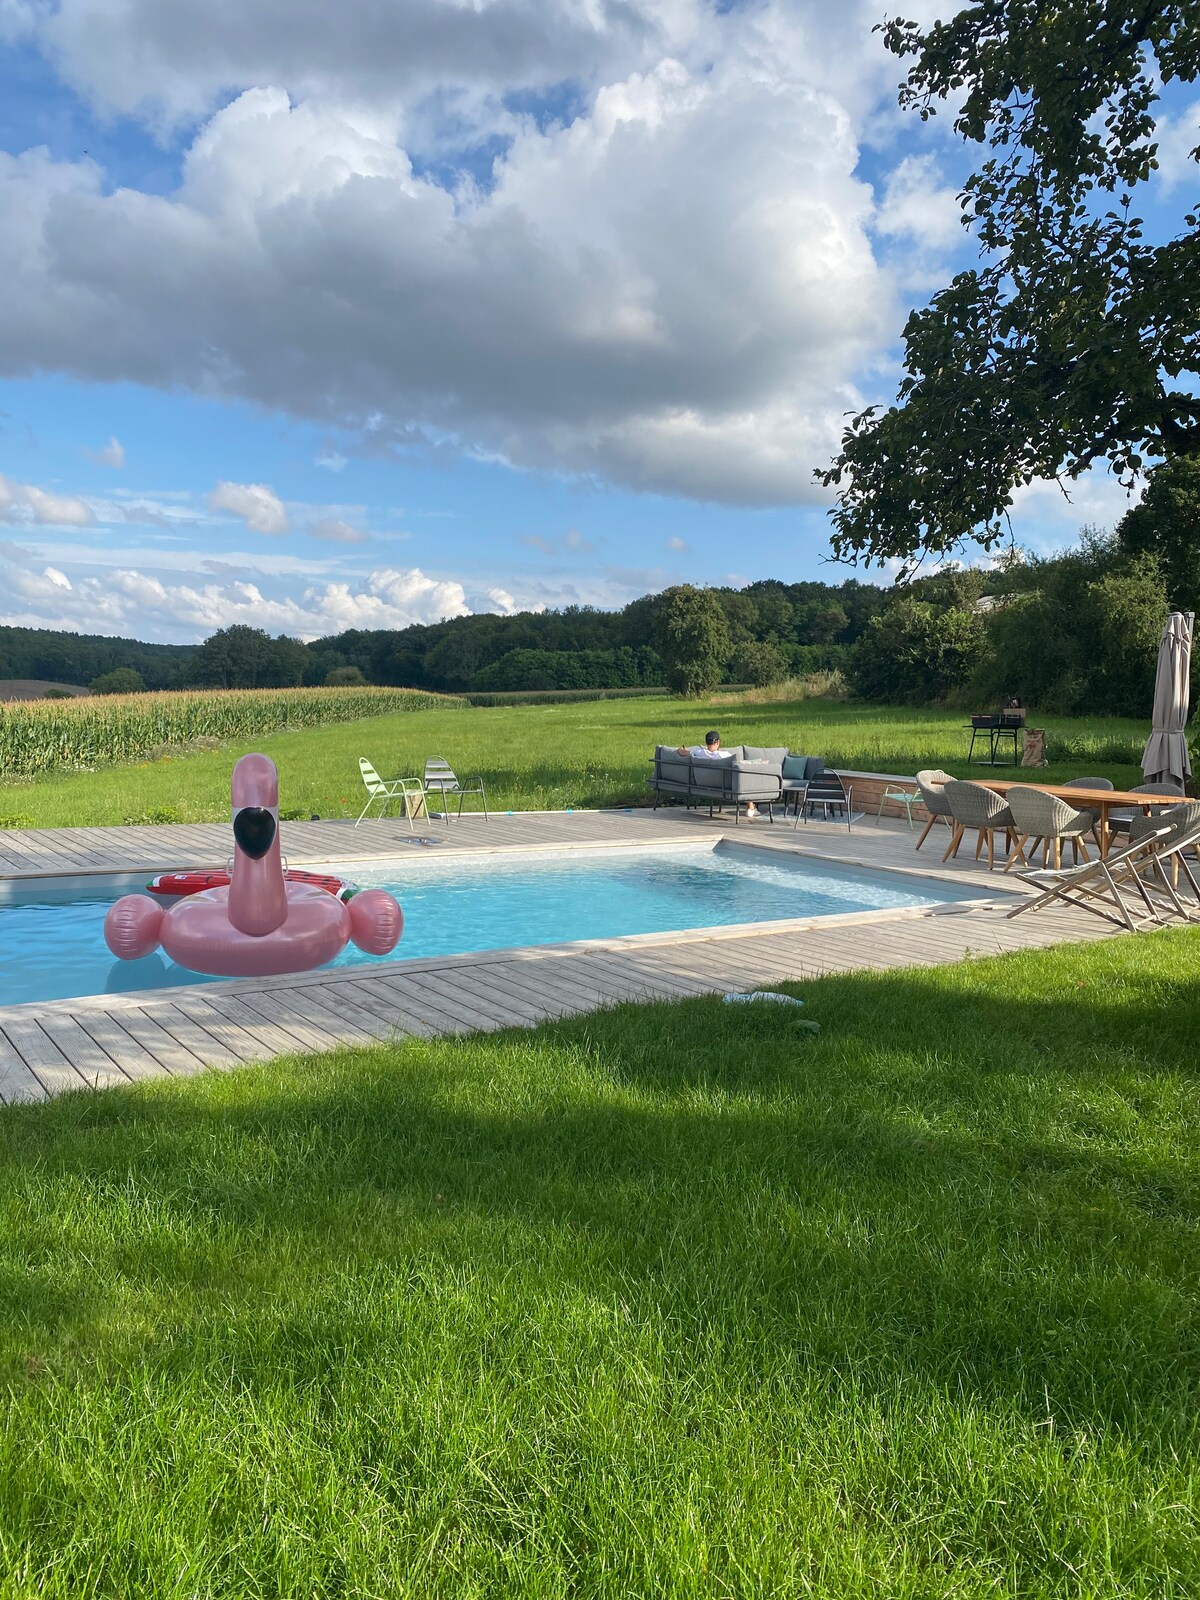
pixel 1143 868
pixel 932 784
pixel 440 779
pixel 407 790
pixel 1184 822
pixel 1046 819
pixel 973 806
pixel 827 790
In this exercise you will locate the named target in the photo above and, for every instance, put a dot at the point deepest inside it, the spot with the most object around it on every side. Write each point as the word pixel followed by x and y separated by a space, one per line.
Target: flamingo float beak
pixel 254 829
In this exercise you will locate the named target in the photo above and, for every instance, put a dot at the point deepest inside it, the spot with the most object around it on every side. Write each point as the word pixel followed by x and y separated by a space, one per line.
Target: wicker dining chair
pixel 973 806
pixel 1172 794
pixel 1090 783
pixel 931 782
pixel 1046 819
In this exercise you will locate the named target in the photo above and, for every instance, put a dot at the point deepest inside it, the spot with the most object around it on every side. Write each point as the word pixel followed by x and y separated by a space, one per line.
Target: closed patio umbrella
pixel 1166 754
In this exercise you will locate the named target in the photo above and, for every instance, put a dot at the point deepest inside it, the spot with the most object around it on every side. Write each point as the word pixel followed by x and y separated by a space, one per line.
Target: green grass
pixel 546 757
pixel 671 1301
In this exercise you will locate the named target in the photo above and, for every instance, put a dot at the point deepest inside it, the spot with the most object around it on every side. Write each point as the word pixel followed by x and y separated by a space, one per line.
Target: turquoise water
pixel 54 948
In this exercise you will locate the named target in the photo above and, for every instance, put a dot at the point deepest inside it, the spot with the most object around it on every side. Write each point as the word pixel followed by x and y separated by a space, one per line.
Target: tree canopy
pixel 693 639
pixel 1167 524
pixel 1075 340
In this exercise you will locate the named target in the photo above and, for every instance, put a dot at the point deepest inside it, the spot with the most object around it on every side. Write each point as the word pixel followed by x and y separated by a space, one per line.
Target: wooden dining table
pixel 1099 800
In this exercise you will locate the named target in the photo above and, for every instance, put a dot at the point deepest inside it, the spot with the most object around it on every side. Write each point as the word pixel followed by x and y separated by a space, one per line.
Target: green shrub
pixel 17 819
pixel 156 814
pixel 121 680
pixel 58 694
pixel 758 664
pixel 552 697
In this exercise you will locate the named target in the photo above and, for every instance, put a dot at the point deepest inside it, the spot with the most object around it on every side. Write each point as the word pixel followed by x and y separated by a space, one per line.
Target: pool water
pixel 52 945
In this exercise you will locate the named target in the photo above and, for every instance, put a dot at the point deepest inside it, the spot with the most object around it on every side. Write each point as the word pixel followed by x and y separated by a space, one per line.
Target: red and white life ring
pixel 177 885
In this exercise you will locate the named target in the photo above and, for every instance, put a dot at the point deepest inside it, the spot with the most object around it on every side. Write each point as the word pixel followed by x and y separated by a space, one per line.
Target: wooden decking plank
pixel 558 980
pixel 342 1029
pixel 497 987
pixel 347 1012
pixel 279 1036
pixel 292 1018
pixel 621 983
pixel 90 1059
pixel 53 1071
pixel 234 1042
pixel 548 999
pixel 383 1002
pixel 633 967
pixel 545 984
pixel 18 1082
pixel 472 1005
pixel 436 1013
pixel 172 1039
pixel 125 1036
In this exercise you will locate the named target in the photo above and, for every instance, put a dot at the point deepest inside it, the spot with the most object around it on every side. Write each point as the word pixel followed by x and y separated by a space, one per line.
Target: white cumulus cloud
pixel 667 282
pixel 25 502
pixel 337 531
pixel 110 455
pixel 259 507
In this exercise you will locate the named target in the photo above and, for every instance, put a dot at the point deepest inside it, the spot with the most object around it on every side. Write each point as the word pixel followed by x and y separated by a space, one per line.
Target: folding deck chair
pixel 1139 869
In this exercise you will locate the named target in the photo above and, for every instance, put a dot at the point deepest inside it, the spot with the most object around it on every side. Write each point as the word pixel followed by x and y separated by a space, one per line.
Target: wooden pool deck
pixel 104 1040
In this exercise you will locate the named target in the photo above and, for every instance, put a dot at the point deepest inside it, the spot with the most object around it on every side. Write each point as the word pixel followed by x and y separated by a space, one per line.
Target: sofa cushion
pixel 707 774
pixel 795 766
pixel 756 780
pixel 774 754
pixel 670 766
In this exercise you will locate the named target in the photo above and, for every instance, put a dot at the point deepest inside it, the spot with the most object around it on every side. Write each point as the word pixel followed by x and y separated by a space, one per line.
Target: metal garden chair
pixel 407 790
pixel 440 779
pixel 827 790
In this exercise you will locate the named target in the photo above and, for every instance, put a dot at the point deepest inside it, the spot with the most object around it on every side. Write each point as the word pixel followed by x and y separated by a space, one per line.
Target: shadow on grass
pixel 983 1181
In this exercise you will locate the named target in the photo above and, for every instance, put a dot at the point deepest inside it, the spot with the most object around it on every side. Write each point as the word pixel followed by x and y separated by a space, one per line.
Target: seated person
pixel 712 749
pixel 1014 711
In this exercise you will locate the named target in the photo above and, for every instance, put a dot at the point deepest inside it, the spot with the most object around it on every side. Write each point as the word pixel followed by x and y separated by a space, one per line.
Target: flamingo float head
pixel 257 892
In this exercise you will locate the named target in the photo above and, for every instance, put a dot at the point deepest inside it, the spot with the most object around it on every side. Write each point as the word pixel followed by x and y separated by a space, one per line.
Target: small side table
pixel 902 798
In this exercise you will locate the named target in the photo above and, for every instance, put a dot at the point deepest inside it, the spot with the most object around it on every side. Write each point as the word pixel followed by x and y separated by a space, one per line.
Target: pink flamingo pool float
pixel 260 924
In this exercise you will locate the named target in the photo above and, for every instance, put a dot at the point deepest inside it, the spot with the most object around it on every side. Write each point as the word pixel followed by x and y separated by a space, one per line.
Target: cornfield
pixel 42 735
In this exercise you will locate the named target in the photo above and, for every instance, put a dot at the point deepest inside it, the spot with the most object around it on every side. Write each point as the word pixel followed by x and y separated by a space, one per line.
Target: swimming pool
pixel 52 946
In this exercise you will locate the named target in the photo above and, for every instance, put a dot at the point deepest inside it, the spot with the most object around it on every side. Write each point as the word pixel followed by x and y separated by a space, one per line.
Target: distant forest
pixel 809 626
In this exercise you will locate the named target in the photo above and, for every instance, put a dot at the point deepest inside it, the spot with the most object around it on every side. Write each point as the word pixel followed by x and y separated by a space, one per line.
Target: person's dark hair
pixel 712 737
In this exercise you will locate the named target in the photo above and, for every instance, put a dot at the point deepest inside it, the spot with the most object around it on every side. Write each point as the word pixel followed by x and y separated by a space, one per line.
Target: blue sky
pixel 357 316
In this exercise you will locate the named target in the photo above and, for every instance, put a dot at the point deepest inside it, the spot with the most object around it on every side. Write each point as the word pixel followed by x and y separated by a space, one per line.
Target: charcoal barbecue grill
pixel 992 729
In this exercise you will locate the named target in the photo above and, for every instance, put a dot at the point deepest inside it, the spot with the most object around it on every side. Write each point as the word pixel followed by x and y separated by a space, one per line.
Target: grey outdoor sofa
pixel 764 774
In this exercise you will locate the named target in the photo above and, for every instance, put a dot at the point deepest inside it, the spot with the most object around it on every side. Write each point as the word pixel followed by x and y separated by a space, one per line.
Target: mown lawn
pixel 670 1301
pixel 546 757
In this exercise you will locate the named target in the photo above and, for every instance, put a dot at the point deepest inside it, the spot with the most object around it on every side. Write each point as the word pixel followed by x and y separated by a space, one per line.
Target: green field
pixel 595 753
pixel 668 1301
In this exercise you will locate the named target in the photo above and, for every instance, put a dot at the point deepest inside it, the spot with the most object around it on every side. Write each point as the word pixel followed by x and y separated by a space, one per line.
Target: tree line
pixel 1076 632
pixel 770 630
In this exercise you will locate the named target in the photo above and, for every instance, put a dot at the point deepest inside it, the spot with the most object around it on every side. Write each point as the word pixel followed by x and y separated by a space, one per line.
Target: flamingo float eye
pixel 254 829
